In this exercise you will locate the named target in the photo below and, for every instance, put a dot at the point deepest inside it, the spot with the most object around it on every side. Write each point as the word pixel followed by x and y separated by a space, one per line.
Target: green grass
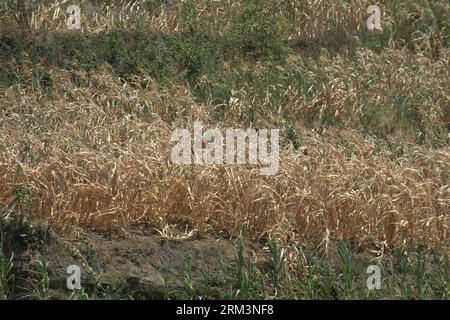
pixel 6 272
pixel 408 274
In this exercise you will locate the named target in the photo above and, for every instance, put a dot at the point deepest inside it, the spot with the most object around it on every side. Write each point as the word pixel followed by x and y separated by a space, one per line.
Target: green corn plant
pixel 346 277
pixel 6 274
pixel 40 280
pixel 189 289
pixel 278 261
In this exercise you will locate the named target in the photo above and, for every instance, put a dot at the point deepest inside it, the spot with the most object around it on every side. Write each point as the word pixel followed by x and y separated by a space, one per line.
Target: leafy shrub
pixel 256 31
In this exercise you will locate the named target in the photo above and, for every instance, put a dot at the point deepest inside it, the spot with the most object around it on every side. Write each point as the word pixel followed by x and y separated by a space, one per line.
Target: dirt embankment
pixel 141 263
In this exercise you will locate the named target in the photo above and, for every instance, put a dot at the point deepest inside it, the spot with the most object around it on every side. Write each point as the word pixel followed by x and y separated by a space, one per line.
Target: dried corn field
pixel 96 158
pixel 365 152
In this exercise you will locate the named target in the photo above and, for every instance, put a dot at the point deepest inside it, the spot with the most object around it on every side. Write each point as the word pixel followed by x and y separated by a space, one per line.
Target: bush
pixel 256 31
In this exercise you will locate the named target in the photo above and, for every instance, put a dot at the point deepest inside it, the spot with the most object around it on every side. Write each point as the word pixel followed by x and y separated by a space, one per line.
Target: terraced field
pixel 87 176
